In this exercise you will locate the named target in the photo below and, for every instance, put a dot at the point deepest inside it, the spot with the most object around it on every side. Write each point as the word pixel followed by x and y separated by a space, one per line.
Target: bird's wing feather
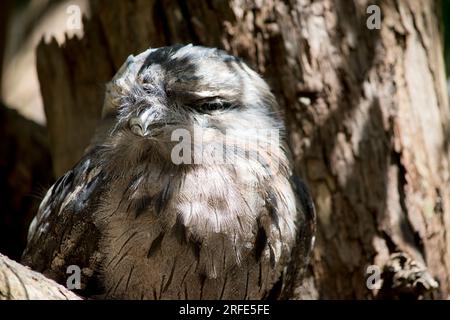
pixel 63 232
pixel 308 215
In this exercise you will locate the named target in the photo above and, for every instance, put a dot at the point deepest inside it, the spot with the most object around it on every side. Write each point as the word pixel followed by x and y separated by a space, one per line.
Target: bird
pixel 187 190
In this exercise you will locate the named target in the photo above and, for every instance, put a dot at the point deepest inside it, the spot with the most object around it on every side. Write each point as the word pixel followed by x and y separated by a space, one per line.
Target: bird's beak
pixel 137 127
pixel 144 124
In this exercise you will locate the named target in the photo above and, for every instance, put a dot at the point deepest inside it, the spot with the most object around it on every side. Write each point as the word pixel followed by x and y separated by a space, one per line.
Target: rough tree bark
pixel 20 283
pixel 367 114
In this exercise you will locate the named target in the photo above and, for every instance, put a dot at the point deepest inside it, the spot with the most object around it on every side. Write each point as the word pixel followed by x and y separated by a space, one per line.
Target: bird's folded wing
pixel 63 232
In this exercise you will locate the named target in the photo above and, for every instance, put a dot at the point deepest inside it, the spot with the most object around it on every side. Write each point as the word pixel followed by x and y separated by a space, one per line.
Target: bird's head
pixel 203 96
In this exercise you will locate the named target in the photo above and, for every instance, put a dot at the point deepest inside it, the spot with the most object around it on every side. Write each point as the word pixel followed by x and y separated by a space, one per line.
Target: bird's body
pixel 142 224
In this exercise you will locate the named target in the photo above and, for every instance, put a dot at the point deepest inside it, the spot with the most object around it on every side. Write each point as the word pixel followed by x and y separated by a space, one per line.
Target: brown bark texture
pixel 366 110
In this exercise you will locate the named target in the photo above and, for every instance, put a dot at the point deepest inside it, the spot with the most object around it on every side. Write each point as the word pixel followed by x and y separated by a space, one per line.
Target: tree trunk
pixel 367 114
pixel 25 174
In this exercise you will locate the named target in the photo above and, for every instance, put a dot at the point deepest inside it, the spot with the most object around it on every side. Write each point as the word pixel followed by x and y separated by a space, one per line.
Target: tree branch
pixel 18 282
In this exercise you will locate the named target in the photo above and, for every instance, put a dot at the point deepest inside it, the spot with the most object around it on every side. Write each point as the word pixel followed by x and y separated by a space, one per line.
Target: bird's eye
pixel 212 105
